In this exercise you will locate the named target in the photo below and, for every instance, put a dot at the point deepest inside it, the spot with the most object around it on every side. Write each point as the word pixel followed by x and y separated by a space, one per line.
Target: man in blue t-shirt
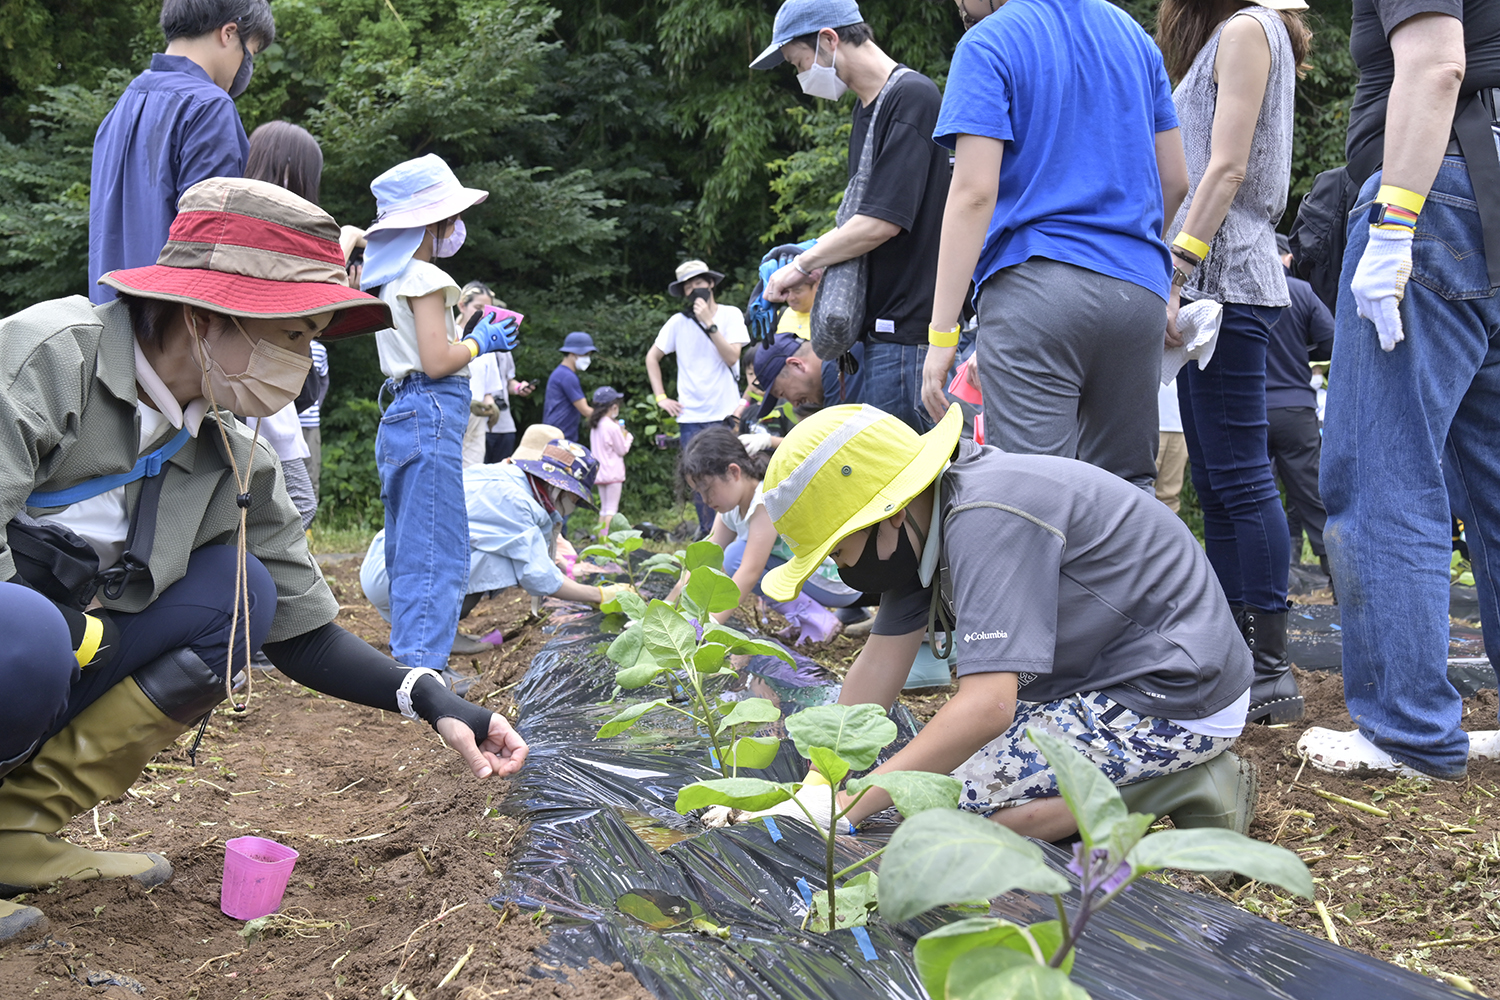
pixel 174 126
pixel 565 404
pixel 1067 159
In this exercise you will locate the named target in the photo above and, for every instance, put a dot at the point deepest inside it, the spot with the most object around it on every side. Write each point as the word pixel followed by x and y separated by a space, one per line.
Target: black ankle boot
pixel 1274 697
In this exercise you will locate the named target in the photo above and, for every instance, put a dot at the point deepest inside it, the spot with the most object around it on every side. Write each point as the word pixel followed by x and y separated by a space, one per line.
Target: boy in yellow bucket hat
pixel 1073 602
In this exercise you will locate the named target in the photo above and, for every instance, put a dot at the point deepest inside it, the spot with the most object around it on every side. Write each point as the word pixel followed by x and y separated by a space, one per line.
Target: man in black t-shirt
pixel 1413 417
pixel 899 219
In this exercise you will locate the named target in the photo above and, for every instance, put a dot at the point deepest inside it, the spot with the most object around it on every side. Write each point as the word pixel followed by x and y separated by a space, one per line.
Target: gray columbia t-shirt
pixel 1077 581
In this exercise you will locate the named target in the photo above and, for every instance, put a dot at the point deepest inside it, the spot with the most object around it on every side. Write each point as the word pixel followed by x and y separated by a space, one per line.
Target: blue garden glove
pixel 493 329
pixel 761 315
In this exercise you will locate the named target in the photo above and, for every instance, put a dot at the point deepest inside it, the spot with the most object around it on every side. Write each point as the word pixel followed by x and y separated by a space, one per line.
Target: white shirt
pixel 398 345
pixel 282 430
pixel 104 521
pixel 707 388
pixel 1168 413
pixel 484 377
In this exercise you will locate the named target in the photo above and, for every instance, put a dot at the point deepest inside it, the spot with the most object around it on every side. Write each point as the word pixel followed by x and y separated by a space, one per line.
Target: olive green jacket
pixel 68 414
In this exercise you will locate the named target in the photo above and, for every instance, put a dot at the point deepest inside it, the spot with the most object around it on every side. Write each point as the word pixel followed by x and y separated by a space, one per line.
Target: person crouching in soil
pixel 1074 602
pixel 140 468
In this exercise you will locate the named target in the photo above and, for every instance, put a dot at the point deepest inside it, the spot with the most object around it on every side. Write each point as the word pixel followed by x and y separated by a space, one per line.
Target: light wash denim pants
pixel 419 451
pixel 1406 433
pixel 892 375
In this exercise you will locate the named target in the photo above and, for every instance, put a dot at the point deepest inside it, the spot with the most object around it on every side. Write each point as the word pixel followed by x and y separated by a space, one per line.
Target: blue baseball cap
pixel 770 359
pixel 577 343
pixel 805 17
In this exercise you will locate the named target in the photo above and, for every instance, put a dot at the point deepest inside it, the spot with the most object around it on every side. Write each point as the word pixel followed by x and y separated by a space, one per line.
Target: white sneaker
pixel 1485 744
pixel 1350 753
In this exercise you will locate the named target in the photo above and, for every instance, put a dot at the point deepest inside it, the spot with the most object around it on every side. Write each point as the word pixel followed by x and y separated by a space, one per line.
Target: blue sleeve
pixel 977 101
pixel 571 387
pixel 1163 109
pixel 213 144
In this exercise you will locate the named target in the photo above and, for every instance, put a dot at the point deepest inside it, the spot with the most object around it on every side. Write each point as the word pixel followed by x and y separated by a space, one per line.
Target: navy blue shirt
pixel 853 384
pixel 1303 333
pixel 563 390
pixel 172 128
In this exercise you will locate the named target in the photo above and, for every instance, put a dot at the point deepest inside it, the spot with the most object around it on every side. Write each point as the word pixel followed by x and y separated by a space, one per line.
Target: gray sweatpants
pixel 1069 361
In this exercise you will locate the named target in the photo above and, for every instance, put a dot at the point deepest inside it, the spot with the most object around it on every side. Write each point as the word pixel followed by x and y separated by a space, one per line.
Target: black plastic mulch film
pixel 602 824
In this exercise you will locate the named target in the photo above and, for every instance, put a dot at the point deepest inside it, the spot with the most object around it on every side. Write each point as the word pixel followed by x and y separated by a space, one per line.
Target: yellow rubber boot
pixel 18 920
pixel 96 757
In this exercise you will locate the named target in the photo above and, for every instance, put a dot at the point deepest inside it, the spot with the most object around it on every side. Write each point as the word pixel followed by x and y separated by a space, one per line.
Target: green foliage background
pixel 616 139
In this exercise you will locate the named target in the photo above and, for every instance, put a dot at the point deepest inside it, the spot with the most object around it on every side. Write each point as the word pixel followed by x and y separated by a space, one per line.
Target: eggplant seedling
pixel 837 739
pixel 946 858
pixel 616 547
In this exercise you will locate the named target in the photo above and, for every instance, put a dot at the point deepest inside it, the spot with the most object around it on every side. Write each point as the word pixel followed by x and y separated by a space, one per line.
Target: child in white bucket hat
pixel 419 446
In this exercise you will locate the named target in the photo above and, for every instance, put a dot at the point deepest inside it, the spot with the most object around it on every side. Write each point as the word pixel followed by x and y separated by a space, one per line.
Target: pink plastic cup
pixel 256 872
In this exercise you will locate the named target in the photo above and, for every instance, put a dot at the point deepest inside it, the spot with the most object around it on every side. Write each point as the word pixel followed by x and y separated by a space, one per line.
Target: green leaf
pixel 753 794
pixel 741 644
pixel 598 552
pixel 756 710
pixel 704 553
pixel 977 966
pixel 967 980
pixel 856 733
pixel 658 910
pixel 853 902
pixel 1093 798
pixel 711 591
pixel 668 636
pixel 912 791
pixel 627 602
pixel 642 673
pixel 829 764
pixel 662 562
pixel 708 657
pixel 629 545
pixel 939 857
pixel 619 523
pixel 937 950
pixel 626 649
pixel 621 537
pixel 627 718
pixel 753 752
pixel 1201 850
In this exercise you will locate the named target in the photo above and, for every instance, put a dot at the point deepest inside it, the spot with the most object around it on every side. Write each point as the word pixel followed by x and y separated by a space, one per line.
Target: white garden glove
pixel 1379 282
pixel 755 443
pixel 814 795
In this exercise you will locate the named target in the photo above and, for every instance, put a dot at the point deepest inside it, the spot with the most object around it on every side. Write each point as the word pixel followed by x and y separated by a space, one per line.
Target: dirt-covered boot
pixel 1274 695
pixel 18 920
pixel 96 757
pixel 1220 793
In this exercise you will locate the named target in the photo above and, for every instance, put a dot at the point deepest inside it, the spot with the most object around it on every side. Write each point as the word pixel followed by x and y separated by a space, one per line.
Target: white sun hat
pixel 418 193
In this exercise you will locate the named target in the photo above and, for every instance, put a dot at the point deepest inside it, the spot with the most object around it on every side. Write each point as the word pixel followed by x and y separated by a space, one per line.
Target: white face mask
pixel 822 81
pixel 450 244
pixel 583 363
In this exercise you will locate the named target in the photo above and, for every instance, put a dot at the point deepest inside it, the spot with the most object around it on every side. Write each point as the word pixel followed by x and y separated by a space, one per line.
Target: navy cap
pixel 1283 245
pixel 577 343
pixel 770 359
pixel 606 395
pixel 805 17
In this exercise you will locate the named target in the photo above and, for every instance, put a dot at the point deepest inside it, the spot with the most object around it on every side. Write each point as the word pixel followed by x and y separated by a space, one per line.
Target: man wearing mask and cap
pixel 898 221
pixel 149 545
pixel 564 403
pixel 706 338
pixel 175 125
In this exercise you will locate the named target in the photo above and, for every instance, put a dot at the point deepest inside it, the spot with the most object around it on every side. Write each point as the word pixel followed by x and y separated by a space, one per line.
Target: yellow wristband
pixel 93 634
pixel 660 396
pixel 942 338
pixel 1191 244
pixel 473 346
pixel 815 779
pixel 1389 194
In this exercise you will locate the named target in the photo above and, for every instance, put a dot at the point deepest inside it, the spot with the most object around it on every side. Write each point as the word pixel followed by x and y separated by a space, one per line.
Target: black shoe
pixel 469 645
pixel 458 683
pixel 851 615
pixel 1274 696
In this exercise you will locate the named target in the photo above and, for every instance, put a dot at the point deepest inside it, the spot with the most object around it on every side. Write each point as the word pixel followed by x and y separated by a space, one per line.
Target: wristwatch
pixel 712 329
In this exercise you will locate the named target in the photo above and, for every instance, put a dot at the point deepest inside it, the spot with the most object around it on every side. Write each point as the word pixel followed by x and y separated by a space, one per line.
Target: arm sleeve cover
pixel 337 663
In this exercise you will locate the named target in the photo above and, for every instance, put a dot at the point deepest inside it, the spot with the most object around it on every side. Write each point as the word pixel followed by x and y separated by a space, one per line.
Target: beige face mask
pixel 273 378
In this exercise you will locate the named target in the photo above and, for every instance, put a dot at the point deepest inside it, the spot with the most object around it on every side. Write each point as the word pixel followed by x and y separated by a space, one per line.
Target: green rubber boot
pixel 17 921
pixel 1220 793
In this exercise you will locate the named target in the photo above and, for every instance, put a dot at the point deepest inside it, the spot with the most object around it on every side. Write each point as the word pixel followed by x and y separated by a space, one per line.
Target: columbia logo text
pixel 974 636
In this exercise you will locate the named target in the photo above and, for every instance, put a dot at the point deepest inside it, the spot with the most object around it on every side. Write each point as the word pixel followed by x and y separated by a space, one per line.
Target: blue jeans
pixel 820 589
pixel 419 451
pixel 686 433
pixel 1224 422
pixel 892 375
pixel 41 687
pixel 1407 433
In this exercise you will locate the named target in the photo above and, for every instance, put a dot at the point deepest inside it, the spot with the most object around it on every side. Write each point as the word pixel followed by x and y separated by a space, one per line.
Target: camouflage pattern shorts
pixel 1127 747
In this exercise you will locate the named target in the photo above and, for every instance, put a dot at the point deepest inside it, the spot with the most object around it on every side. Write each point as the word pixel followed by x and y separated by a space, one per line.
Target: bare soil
pixel 400 851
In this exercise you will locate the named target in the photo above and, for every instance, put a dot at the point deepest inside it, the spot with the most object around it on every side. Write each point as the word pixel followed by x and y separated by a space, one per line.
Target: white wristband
pixel 403 693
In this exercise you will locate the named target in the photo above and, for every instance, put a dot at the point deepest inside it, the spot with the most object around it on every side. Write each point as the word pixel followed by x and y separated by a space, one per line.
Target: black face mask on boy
pixel 871 574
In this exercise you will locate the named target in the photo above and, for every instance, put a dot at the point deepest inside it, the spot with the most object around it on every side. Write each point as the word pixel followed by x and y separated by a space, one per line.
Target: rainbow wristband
pixel 1192 245
pixel 942 338
pixel 1396 208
